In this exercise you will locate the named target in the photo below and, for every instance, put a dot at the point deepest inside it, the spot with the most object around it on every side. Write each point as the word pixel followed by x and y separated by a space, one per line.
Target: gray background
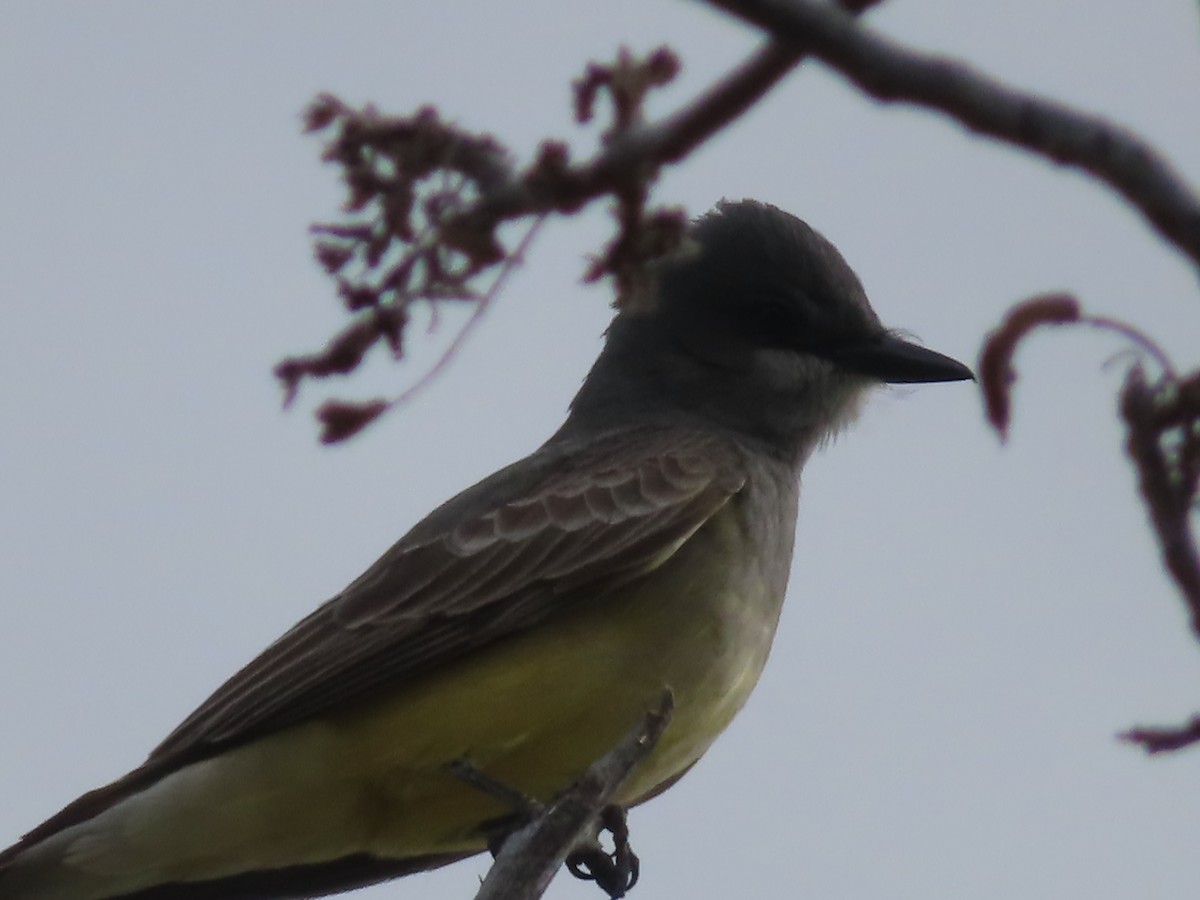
pixel 969 625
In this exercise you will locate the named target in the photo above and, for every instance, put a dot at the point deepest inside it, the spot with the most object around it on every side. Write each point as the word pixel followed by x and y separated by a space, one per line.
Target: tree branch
pixel 429 198
pixel 531 856
pixel 665 142
pixel 891 73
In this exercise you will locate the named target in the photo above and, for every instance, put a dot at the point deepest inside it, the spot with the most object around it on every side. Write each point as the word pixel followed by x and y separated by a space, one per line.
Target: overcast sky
pixel 968 625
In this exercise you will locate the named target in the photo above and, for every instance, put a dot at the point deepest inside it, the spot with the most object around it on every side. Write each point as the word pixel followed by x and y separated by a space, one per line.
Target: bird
pixel 528 623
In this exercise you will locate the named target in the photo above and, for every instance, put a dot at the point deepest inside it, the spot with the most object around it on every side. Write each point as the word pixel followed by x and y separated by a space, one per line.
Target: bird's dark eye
pixel 773 322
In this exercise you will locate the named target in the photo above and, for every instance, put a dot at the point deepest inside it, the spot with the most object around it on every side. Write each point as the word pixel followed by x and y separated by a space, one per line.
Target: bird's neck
pixel 787 404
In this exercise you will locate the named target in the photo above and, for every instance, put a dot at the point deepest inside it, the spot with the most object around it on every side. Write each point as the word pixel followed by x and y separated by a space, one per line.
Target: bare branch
pixel 430 198
pixel 890 72
pixel 511 262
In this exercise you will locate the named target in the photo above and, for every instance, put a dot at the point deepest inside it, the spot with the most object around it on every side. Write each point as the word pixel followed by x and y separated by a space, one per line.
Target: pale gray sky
pixel 968 625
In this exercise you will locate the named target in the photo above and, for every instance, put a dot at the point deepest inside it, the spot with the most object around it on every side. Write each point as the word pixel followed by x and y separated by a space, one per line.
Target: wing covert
pixel 562 525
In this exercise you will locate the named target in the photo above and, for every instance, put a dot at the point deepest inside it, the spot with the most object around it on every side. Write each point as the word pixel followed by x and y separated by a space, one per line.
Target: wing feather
pixel 496 559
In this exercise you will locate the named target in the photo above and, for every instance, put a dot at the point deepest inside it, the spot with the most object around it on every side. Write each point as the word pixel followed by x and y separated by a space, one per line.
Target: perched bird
pixel 527 624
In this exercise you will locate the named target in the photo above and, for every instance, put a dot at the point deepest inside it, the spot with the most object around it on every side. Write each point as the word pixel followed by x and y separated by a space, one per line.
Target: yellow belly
pixel 532 712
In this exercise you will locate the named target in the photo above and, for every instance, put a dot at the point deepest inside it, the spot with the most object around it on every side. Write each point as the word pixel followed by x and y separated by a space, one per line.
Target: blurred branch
pixel 428 199
pixel 1163 740
pixel 341 419
pixel 1162 422
pixel 1163 440
pixel 889 72
pixel 996 372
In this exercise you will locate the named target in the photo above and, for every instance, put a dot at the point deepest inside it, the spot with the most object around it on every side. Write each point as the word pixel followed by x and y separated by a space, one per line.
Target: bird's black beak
pixel 896 361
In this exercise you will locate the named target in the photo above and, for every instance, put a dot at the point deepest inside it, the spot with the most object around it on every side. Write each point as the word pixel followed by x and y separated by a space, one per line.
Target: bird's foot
pixel 615 873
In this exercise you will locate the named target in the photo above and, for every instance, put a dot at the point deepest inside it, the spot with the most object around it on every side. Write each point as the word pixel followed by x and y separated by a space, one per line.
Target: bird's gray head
pixel 757 325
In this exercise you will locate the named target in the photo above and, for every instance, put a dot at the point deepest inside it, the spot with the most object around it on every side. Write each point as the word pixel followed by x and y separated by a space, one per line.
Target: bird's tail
pixel 197 833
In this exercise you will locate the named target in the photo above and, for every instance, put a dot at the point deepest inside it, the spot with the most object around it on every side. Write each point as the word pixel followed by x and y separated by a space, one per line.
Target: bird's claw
pixel 615 873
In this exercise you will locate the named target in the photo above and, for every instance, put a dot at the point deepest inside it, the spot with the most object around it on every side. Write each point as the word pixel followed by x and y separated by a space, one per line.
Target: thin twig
pixel 481 306
pixel 1133 335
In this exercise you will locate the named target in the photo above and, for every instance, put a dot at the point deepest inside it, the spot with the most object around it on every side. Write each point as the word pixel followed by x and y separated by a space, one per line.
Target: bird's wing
pixel 557 528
